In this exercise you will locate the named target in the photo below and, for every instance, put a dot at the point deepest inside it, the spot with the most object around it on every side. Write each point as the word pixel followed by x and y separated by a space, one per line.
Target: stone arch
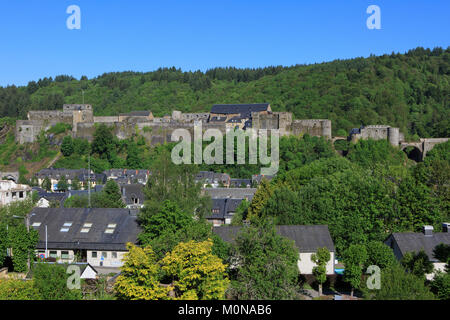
pixel 413 153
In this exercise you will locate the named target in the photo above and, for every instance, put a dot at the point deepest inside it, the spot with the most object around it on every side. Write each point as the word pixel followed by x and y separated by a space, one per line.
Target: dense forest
pixel 410 91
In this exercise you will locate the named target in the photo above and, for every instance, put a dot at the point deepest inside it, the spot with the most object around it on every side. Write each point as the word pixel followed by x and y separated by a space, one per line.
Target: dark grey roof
pixel 126 229
pixel 238 182
pixel 258 177
pixel 233 193
pixel 236 119
pixel 132 191
pixel 414 242
pixel 101 177
pixel 127 176
pixel 307 238
pixel 225 206
pixel 210 176
pixel 58 173
pixel 355 131
pixel 244 110
pixel 218 119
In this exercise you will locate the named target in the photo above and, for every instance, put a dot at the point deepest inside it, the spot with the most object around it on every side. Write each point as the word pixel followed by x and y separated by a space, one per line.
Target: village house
pixel 71 175
pixel 222 211
pixel 404 242
pixel 11 192
pixel 233 193
pixel 127 176
pixel 307 239
pixel 133 195
pixel 97 236
pixel 240 183
pixel 213 179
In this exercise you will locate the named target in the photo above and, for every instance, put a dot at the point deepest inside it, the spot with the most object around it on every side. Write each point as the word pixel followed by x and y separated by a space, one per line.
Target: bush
pixel 18 290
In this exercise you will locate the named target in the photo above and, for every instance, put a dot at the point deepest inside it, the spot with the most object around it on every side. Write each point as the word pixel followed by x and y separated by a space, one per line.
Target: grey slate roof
pixel 132 191
pixel 238 182
pixel 126 229
pixel 211 177
pixel 233 193
pixel 225 207
pixel 56 174
pixel 307 238
pixel 416 241
pixel 244 110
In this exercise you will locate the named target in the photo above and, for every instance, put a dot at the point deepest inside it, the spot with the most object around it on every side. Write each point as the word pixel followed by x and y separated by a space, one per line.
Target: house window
pixel 64 254
pixel 94 254
pixel 104 254
pixel 54 254
pixel 110 228
pixel 114 255
pixel 21 194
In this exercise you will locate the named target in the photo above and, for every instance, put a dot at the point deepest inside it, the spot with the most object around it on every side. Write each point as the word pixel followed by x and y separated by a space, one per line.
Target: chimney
pixel 428 231
pixel 445 227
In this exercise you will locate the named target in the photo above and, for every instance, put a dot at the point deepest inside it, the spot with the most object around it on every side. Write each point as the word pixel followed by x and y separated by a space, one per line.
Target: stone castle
pixel 159 130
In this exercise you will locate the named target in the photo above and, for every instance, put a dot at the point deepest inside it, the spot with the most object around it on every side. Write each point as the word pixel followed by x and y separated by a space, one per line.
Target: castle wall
pixel 313 127
pixel 106 119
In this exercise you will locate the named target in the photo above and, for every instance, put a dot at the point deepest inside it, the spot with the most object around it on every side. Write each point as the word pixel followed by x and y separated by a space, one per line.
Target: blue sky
pixel 118 35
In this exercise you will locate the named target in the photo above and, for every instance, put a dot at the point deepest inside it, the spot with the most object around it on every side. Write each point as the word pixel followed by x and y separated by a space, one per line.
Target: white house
pixel 307 239
pixel 404 242
pixel 97 236
pixel 11 191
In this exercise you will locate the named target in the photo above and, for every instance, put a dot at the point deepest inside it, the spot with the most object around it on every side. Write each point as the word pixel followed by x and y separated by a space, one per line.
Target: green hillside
pixel 408 90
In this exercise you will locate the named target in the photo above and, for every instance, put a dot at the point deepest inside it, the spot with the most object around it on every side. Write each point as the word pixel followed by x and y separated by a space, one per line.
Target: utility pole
pixel 89 181
pixel 27 223
pixel 46 256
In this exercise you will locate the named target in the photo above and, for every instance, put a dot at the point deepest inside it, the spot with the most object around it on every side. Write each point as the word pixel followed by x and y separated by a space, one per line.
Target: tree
pixel 50 280
pixel 417 263
pixel 103 142
pixel 175 183
pixel 62 184
pixel 397 284
pixel 320 258
pixel 133 158
pixel 75 185
pixel 23 244
pixel 67 147
pixel 81 146
pixel 46 184
pixel 440 285
pixel 195 272
pixel 263 193
pixel 110 196
pixel 264 264
pixel 171 225
pixel 354 259
pixel 442 253
pixel 379 254
pixel 139 278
